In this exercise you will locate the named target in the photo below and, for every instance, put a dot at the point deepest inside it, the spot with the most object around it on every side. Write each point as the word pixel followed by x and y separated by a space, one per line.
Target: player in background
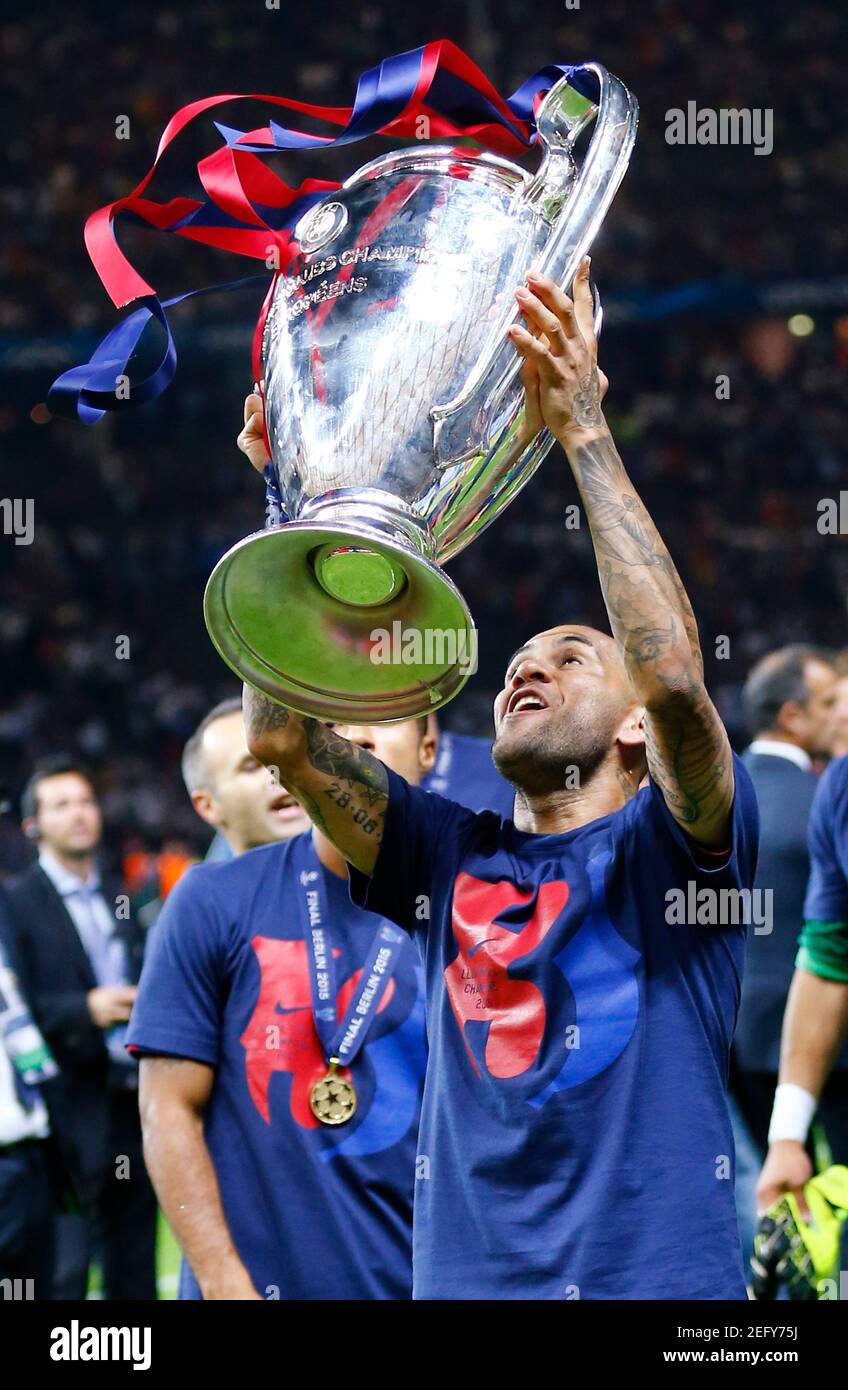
pixel 815 1024
pixel 270 1195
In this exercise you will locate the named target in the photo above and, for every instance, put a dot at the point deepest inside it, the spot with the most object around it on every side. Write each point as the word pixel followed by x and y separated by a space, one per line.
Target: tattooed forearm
pixel 641 586
pixel 360 784
pixel 263 716
pixel 330 753
pixel 349 787
pixel 343 788
pixel 654 625
pixel 687 758
pixel 369 818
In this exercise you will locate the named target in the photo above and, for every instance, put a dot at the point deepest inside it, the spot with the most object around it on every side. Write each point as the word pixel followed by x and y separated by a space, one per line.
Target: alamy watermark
pixel 726 126
pixel 694 906
pixel 429 646
pixel 80 1342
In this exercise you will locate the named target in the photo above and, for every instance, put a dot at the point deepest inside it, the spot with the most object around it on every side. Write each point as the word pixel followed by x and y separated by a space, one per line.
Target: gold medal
pixel 332 1100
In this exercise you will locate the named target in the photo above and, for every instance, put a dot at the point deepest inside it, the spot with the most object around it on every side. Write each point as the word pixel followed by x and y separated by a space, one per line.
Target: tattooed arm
pixel 651 618
pixel 343 789
pixel 652 621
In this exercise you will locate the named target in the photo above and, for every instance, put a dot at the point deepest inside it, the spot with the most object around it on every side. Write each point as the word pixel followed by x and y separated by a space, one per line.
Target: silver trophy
pixel 395 411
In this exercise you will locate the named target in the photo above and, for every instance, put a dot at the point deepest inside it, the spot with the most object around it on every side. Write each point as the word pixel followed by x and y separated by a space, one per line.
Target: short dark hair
pixel 778 677
pixel 192 764
pixel 57 766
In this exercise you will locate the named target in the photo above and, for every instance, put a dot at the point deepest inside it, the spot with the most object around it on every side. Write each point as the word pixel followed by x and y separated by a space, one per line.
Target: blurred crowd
pixel 683 214
pixel 103 652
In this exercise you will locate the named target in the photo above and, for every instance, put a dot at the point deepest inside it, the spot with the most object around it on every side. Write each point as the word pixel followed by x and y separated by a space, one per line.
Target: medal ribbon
pixel 344 1039
pixel 251 211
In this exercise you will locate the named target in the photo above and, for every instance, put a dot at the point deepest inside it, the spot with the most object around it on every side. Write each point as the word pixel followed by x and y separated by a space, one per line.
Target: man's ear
pixel 631 730
pixel 206 807
pixel 427 749
pixel 789 716
pixel 631 741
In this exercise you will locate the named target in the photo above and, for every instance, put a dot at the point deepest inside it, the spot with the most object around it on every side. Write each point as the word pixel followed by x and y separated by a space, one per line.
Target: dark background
pixel 705 255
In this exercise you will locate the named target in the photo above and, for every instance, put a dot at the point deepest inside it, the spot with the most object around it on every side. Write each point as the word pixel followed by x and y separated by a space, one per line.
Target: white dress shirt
pixel 776 748
pixel 97 930
pixel 91 916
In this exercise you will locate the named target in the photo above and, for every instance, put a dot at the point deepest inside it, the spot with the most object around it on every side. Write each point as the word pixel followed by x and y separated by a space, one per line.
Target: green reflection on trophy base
pixel 358 576
pixel 340 622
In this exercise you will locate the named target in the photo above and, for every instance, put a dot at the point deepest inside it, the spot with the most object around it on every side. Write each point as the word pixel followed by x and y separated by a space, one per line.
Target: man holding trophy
pixel 574 1117
pixel 575 1140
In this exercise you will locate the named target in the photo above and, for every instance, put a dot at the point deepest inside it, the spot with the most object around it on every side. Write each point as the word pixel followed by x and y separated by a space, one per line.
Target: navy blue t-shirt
pixel 464 772
pixel 827 891
pixel 575 1139
pixel 314 1212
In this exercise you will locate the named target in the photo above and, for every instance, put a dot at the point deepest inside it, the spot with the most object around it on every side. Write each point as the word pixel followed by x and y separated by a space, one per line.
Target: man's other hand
pixel 110 1004
pixel 251 441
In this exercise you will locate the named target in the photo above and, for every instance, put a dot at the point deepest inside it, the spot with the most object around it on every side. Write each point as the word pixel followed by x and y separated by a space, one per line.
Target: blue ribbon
pixel 85 393
pixel 383 93
pixel 344 1039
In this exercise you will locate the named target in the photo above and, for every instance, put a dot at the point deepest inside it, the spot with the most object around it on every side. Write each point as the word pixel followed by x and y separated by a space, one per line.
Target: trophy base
pixel 340 622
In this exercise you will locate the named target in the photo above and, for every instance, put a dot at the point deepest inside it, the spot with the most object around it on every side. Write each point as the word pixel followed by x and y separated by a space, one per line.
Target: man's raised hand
pixel 563 385
pixel 251 440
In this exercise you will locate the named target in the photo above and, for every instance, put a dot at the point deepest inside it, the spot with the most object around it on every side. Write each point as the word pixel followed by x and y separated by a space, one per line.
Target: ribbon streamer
pixel 250 210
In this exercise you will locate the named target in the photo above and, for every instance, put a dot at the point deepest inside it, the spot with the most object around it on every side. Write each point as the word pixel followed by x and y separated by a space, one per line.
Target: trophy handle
pixel 573 204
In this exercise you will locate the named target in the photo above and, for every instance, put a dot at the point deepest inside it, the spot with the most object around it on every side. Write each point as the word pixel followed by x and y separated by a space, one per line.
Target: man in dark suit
pixel 26 1197
pixel 82 952
pixel 789 700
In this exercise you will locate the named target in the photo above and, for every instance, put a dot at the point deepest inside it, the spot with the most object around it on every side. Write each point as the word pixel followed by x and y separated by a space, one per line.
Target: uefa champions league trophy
pixel 395 411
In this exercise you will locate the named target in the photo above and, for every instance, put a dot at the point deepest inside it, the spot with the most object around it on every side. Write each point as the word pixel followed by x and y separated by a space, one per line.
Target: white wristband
pixel 791 1114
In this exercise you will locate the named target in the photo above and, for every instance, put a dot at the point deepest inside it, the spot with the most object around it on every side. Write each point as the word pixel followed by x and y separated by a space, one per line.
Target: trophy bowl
pixel 395 411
